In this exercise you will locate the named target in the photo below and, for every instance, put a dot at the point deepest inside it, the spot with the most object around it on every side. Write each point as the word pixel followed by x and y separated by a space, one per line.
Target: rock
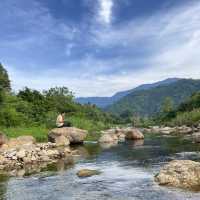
pixel 74 135
pixel 87 173
pixel 155 129
pixel 21 154
pixel 121 137
pixel 120 134
pixel 19 141
pixel 52 153
pixel 134 134
pixel 108 138
pixel 62 141
pixel 180 173
pixel 147 130
pixel 26 139
pixel 184 130
pixel 167 130
pixel 196 137
pixel 27 160
pixel 3 138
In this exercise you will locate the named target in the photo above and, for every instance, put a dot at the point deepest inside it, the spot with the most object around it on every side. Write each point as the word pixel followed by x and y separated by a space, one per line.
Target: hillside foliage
pixel 187 113
pixel 30 107
pixel 148 103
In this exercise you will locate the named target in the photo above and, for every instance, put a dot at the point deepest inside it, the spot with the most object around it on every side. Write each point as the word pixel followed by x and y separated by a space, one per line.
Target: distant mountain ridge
pixel 104 102
pixel 148 102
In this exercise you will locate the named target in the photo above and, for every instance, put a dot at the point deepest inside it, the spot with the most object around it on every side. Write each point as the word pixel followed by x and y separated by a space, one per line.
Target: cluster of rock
pixel 16 153
pixel 171 130
pixel 180 173
pixel 180 130
pixel 19 152
pixel 119 135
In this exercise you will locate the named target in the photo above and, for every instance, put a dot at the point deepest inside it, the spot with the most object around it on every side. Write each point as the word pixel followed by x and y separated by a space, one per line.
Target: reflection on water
pixel 127 173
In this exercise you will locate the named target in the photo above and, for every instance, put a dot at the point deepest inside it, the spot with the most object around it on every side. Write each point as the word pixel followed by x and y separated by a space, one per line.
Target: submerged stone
pixel 87 173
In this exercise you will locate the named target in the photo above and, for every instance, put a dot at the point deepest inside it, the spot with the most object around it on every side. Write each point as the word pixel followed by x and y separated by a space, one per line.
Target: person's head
pixel 63 114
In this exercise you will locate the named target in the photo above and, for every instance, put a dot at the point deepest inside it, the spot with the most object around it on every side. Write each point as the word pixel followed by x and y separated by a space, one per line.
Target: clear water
pixel 127 174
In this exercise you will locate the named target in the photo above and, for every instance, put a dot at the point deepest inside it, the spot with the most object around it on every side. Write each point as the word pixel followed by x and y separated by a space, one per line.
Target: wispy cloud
pixel 105 11
pixel 112 58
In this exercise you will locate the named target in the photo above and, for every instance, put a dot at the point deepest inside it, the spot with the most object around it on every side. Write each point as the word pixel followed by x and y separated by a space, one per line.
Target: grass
pixel 39 132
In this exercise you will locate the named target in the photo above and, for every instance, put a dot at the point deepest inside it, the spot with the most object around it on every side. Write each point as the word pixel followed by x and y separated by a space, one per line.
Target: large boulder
pixel 3 138
pixel 74 135
pixel 120 134
pixel 108 138
pixel 180 173
pixel 134 134
pixel 62 141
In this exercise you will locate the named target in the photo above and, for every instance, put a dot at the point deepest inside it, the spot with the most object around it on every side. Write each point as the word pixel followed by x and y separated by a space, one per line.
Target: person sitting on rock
pixel 60 122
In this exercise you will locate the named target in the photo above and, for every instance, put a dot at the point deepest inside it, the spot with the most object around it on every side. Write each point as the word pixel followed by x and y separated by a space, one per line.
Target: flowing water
pixel 127 173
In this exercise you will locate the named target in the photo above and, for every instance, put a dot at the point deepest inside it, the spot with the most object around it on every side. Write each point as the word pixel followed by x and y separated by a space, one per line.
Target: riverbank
pixel 127 165
pixel 40 133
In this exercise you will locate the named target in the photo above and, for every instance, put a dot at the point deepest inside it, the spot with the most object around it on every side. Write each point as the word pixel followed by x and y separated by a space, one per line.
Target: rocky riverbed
pixel 18 153
pixel 127 172
pixel 22 154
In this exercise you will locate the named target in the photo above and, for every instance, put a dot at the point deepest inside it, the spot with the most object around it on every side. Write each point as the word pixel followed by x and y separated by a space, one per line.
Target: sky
pixel 98 47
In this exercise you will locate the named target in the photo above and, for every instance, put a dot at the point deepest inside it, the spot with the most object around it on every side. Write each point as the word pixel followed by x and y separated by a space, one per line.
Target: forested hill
pixel 149 102
pixel 103 102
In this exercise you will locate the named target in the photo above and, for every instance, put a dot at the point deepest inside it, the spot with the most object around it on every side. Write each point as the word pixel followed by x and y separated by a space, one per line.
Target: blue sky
pixel 98 47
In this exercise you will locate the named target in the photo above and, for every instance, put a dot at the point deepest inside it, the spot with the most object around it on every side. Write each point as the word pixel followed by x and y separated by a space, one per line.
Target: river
pixel 127 173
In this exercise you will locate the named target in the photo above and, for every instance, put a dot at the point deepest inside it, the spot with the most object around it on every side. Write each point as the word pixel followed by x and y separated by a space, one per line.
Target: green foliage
pixel 148 103
pixel 167 105
pixel 4 79
pixel 187 113
pixel 38 110
pixel 186 118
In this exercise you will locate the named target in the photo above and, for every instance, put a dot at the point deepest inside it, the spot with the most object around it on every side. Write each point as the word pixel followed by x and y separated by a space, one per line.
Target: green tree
pixel 4 79
pixel 36 104
pixel 59 99
pixel 167 105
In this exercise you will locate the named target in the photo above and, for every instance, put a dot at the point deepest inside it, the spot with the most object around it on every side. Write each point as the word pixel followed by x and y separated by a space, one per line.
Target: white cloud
pixel 171 39
pixel 105 11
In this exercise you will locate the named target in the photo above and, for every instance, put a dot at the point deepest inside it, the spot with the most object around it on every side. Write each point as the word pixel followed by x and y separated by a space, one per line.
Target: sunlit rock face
pixel 134 134
pixel 180 173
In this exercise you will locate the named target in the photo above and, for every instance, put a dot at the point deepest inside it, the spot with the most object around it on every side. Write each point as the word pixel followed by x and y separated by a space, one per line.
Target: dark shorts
pixel 66 124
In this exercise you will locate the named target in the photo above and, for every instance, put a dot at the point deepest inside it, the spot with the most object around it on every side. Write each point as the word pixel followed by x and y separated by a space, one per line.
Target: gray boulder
pixel 180 173
pixel 134 134
pixel 74 135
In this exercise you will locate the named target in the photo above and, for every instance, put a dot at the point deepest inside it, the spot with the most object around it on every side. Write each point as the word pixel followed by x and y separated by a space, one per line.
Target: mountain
pixel 103 102
pixel 148 102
